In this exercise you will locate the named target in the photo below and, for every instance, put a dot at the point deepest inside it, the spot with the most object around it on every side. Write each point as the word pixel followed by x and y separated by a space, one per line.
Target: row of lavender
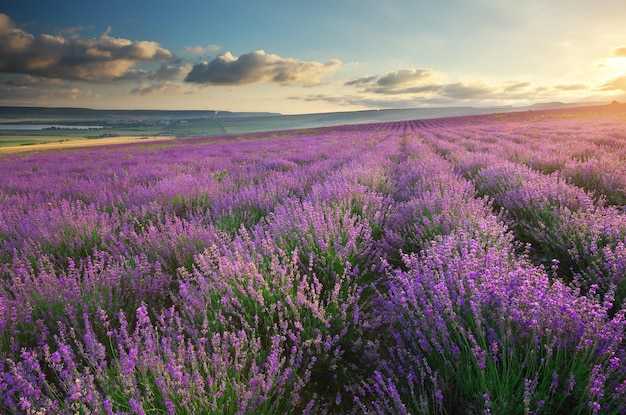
pixel 105 232
pixel 353 270
pixel 571 213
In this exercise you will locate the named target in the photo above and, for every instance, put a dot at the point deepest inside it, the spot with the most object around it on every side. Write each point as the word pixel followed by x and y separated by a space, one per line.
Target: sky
pixel 305 56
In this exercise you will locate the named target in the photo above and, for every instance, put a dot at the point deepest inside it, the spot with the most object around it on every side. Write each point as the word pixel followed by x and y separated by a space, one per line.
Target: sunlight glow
pixel 616 65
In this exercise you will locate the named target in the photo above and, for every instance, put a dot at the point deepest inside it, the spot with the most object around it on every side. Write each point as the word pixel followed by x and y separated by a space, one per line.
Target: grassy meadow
pixel 473 264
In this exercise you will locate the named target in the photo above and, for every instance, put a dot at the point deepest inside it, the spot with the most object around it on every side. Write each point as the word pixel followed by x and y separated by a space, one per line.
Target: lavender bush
pixel 461 265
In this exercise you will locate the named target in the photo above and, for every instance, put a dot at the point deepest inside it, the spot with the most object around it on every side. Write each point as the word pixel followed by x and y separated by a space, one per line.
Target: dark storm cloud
pixel 259 66
pixel 102 59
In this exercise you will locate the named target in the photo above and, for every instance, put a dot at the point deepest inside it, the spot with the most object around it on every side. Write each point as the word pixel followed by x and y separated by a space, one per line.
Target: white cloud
pixel 259 66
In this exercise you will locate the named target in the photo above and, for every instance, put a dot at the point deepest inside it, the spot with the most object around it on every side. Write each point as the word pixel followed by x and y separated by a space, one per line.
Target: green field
pixel 11 138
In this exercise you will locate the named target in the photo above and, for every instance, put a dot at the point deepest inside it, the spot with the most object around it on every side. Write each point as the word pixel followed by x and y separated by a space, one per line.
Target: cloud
pixel 517 86
pixel 259 66
pixel 615 84
pixel 620 52
pixel 456 90
pixel 570 87
pixel 160 88
pixel 379 101
pixel 399 82
pixel 361 81
pixel 34 91
pixel 393 81
pixel 465 91
pixel 102 59
pixel 428 87
pixel 359 100
pixel 170 72
pixel 163 80
pixel 33 81
pixel 404 78
pixel 199 50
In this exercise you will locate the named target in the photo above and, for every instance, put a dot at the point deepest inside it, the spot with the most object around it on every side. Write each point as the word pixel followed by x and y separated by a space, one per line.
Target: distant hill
pixel 557 105
pixel 37 114
pixel 213 122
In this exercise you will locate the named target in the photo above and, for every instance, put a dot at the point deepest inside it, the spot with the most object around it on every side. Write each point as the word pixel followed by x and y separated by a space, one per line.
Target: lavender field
pixel 472 264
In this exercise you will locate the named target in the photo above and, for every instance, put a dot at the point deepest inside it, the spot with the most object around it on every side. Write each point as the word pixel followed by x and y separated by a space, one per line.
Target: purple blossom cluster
pixel 579 225
pixel 433 266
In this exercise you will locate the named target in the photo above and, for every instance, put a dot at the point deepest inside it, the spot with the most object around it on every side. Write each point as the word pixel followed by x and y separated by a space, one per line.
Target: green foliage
pixel 246 216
